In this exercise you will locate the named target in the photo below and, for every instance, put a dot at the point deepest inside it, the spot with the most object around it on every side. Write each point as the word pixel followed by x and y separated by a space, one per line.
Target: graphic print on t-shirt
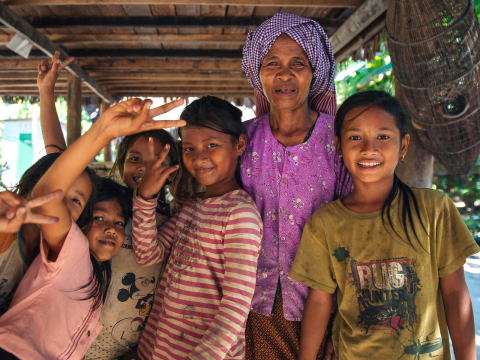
pixel 386 292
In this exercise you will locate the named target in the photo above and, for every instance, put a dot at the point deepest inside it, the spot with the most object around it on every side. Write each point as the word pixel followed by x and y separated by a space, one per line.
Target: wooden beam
pixel 16 23
pixel 273 3
pixel 136 38
pixel 357 22
pixel 74 109
pixel 165 76
pixel 142 53
pixel 131 65
pixel 164 22
pixel 175 84
pixel 361 39
pixel 25 75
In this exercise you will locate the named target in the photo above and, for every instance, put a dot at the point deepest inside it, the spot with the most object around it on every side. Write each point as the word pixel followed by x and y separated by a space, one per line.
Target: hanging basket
pixel 435 51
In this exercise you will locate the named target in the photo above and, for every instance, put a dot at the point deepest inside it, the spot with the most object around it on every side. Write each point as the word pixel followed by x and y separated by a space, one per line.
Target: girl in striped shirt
pixel 212 244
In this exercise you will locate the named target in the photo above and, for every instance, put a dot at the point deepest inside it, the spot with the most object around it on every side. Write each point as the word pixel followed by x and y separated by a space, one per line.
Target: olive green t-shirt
pixel 389 300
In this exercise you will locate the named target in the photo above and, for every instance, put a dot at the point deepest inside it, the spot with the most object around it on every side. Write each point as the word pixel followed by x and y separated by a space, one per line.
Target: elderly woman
pixel 290 167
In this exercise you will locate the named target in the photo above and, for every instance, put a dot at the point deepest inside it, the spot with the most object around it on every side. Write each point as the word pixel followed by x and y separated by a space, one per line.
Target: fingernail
pixel 167 146
pixel 150 139
pixel 22 211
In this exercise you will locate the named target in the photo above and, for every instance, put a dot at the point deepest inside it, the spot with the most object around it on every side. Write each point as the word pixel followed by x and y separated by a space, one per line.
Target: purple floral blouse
pixel 288 184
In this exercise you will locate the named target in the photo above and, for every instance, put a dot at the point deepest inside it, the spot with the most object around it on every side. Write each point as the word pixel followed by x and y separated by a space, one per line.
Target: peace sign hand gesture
pixel 49 70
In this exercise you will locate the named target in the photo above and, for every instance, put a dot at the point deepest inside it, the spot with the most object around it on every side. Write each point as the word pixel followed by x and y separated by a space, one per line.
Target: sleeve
pixel 150 246
pixel 243 234
pixel 73 250
pixel 454 243
pixel 313 266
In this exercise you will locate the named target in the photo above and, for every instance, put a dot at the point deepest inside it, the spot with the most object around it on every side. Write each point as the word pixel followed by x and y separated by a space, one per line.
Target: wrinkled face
pixel 286 74
pixel 209 155
pixel 106 235
pixel 77 196
pixel 136 161
pixel 371 145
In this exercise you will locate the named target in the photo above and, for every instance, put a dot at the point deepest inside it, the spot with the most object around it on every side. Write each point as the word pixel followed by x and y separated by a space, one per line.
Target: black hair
pixel 33 174
pixel 389 104
pixel 214 113
pixel 109 190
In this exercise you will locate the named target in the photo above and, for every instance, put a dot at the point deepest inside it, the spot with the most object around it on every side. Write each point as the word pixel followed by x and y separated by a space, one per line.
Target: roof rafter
pixel 16 23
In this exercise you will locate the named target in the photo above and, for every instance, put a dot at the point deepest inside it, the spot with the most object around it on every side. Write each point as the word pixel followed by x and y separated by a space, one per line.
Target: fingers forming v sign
pixel 48 70
pixel 135 115
pixel 156 172
pixel 16 211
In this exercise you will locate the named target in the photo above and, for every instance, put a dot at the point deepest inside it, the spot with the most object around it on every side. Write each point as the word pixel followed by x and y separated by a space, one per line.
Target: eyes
pixel 358 137
pixel 191 149
pixel 76 201
pixel 101 219
pixel 294 64
pixel 134 159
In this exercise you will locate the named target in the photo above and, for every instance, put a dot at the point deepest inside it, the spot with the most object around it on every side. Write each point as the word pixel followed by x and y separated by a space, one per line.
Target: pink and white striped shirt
pixel 204 296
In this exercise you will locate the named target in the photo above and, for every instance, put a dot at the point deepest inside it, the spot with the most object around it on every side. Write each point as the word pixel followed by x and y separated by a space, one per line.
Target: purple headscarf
pixel 314 41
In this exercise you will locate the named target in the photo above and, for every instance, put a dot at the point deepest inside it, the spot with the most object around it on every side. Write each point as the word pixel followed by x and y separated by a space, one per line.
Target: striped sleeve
pixel 151 246
pixel 243 234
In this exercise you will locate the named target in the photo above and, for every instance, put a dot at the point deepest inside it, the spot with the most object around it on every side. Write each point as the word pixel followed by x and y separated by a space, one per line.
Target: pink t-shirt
pixel 47 318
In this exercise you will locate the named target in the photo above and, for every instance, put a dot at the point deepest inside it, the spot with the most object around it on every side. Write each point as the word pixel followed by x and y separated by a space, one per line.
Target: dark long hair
pixel 33 174
pixel 216 114
pixel 391 105
pixel 99 283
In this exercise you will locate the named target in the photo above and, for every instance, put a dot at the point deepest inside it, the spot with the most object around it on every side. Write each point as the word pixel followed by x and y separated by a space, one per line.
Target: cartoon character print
pixel 141 290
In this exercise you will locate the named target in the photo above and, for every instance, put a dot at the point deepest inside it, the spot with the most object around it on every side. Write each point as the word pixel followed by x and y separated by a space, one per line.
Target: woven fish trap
pixel 435 50
pixel 432 42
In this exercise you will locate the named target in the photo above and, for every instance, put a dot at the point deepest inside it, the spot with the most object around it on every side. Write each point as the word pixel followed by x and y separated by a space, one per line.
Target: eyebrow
pixel 380 129
pixel 81 194
pixel 184 143
pixel 293 57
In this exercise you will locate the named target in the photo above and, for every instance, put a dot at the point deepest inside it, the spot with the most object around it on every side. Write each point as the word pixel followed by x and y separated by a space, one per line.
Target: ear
pixel 241 144
pixel 338 147
pixel 404 146
pixel 172 175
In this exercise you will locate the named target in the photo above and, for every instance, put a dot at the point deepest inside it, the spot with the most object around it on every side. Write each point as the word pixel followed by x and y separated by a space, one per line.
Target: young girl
pixel 20 248
pixel 56 308
pixel 204 295
pixel 394 254
pixel 130 295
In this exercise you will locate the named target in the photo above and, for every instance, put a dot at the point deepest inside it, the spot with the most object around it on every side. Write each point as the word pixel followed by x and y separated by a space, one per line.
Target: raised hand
pixel 135 115
pixel 156 172
pixel 48 71
pixel 16 211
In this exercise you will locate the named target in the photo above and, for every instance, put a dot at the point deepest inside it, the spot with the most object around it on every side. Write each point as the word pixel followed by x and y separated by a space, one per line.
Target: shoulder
pixel 431 197
pixel 241 204
pixel 328 210
pixel 253 125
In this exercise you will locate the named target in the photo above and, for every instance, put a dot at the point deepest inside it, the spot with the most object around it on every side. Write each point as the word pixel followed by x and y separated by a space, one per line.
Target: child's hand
pixel 48 72
pixel 16 211
pixel 134 115
pixel 156 172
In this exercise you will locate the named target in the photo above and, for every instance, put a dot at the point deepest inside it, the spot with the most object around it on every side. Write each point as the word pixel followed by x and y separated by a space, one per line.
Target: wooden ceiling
pixel 161 48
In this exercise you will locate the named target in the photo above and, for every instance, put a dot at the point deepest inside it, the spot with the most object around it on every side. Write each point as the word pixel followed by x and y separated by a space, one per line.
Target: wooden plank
pixel 355 24
pixel 13 21
pixel 164 21
pixel 112 10
pixel 172 85
pixel 163 10
pixel 313 3
pixel 157 76
pixel 74 109
pixel 137 10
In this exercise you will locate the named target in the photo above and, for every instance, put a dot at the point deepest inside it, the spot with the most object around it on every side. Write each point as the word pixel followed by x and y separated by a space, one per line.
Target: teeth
pixel 137 179
pixel 369 164
pixel 286 91
pixel 107 242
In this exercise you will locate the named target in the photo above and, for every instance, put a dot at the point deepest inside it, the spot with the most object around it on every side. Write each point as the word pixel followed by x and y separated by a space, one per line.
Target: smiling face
pixel 286 74
pixel 78 195
pixel 106 235
pixel 212 157
pixel 371 145
pixel 136 161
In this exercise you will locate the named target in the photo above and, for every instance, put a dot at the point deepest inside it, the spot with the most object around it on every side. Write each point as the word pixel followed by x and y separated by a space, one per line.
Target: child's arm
pixel 48 72
pixel 16 211
pixel 243 234
pixel 459 314
pixel 314 324
pixel 124 118
pixel 151 247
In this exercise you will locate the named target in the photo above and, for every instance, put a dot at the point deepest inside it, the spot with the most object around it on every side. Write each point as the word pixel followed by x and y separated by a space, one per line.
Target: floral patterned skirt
pixel 273 337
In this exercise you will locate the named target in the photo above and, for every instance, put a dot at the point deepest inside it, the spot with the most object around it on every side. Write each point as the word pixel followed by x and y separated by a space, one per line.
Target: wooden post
pixel 107 150
pixel 417 169
pixel 74 109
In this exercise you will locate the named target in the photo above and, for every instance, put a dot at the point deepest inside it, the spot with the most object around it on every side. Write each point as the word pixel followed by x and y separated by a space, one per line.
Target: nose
pixel 110 228
pixel 199 156
pixel 284 73
pixel 141 165
pixel 369 147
